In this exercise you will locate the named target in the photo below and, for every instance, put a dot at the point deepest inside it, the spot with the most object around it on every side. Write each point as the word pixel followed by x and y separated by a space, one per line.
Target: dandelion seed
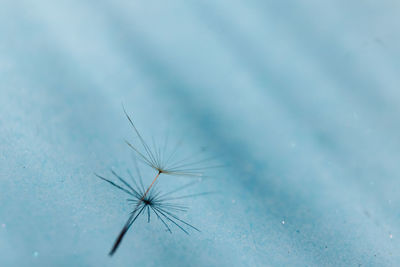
pixel 151 202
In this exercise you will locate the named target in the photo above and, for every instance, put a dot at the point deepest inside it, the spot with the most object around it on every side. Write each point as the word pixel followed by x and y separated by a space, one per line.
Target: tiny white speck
pixel 283 222
pixel 233 201
pixel 35 254
pixel 390 236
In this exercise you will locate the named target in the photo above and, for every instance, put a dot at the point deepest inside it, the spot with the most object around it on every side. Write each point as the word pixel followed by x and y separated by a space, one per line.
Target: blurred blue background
pixel 300 99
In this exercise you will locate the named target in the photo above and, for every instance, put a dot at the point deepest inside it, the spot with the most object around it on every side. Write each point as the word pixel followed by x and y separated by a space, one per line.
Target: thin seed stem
pixel 152 183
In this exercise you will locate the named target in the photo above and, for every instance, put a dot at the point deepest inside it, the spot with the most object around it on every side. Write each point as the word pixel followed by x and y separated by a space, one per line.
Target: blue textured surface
pixel 301 99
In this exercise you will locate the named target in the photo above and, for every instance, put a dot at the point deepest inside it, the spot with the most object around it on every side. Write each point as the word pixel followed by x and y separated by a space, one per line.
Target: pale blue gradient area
pixel 300 99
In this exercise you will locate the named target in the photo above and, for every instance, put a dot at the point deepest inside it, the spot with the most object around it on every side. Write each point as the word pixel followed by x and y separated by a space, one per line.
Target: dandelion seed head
pixel 151 203
pixel 164 159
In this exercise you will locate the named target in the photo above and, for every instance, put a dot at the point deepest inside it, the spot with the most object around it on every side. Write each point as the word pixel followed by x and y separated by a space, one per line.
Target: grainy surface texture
pixel 299 99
